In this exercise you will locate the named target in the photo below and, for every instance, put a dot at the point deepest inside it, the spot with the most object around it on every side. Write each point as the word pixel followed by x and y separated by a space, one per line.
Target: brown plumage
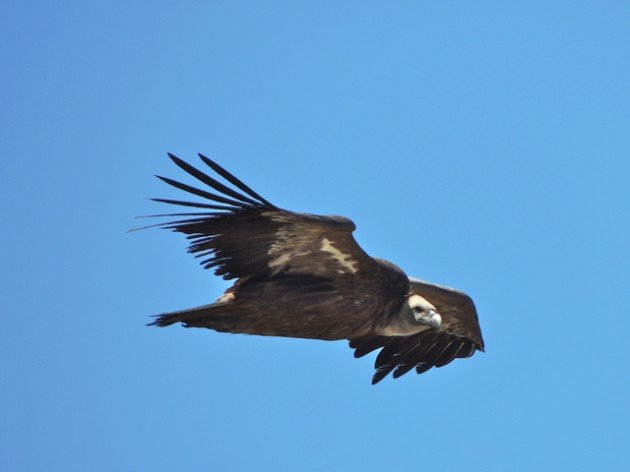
pixel 302 275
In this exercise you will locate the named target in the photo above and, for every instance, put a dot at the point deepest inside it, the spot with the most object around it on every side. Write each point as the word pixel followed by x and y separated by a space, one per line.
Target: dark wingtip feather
pixel 364 346
pixel 191 204
pixel 202 193
pixel 376 378
pixel 234 181
pixel 157 225
pixel 178 162
pixel 422 368
pixel 381 373
pixel 215 184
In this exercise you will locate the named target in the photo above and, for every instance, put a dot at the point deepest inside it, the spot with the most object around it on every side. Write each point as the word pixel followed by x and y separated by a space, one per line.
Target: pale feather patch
pixel 278 261
pixel 279 247
pixel 285 248
pixel 226 297
pixel 343 259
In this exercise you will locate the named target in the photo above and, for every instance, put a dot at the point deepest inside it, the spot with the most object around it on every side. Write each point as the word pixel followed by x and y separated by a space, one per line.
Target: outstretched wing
pixel 242 235
pixel 459 337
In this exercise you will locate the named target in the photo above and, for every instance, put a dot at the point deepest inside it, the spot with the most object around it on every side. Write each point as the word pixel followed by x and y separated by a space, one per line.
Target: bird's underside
pixel 301 275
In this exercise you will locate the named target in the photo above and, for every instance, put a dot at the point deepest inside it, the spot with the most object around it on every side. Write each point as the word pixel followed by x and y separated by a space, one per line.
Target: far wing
pixel 459 315
pixel 459 337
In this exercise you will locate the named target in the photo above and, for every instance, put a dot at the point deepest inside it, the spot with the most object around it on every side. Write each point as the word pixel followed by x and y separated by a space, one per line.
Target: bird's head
pixel 423 312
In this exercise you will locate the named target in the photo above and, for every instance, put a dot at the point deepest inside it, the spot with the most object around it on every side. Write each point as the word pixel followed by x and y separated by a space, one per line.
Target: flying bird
pixel 304 276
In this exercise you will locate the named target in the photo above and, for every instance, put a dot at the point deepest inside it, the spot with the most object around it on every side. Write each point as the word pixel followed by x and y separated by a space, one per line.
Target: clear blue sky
pixel 481 145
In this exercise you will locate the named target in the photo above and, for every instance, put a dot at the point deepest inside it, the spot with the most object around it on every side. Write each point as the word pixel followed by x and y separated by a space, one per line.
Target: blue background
pixel 481 145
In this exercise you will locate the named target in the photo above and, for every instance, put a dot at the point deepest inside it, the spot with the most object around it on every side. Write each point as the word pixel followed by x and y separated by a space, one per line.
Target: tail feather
pixel 200 316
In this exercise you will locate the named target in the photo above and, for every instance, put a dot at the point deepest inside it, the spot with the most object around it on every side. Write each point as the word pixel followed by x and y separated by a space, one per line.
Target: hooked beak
pixel 434 320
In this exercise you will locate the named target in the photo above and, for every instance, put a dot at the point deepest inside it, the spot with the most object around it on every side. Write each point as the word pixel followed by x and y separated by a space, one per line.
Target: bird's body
pixel 294 306
pixel 304 276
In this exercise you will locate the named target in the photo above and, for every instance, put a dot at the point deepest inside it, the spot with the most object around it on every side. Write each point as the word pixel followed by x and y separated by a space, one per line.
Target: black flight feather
pixel 201 193
pixel 192 204
pixel 206 179
pixel 234 181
